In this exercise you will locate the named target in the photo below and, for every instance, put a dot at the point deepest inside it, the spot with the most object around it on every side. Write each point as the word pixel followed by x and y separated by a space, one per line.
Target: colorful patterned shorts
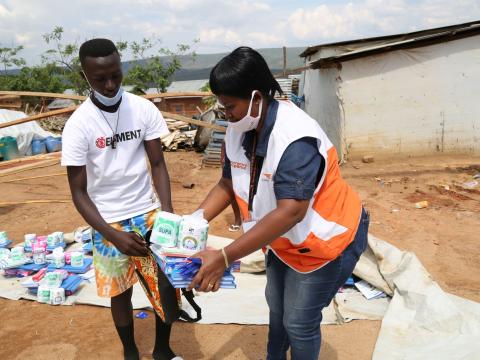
pixel 114 271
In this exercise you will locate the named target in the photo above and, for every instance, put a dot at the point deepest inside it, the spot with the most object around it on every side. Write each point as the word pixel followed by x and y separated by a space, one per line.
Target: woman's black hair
pixel 241 72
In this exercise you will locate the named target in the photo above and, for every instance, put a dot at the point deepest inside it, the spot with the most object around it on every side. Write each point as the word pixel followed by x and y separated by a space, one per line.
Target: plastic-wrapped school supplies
pixel 10 259
pixel 4 240
pixel 174 238
pixel 187 233
pixel 181 270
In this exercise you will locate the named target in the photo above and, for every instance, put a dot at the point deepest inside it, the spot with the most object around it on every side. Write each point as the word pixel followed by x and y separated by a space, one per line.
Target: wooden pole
pixel 39 116
pixel 47 201
pixel 73 108
pixel 35 177
pixel 284 61
pixel 9 97
pixel 49 156
pixel 178 94
pixel 193 121
pixel 81 97
pixel 44 94
pixel 28 167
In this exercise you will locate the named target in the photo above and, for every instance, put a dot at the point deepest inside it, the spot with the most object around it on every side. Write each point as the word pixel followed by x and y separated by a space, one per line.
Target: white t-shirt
pixel 119 182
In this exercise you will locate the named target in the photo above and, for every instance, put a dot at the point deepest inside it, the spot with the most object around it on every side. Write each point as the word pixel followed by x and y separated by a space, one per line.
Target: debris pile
pixel 54 124
pixel 212 156
pixel 181 136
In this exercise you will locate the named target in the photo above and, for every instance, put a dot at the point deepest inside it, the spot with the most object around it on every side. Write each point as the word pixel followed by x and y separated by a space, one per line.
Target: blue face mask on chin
pixel 105 100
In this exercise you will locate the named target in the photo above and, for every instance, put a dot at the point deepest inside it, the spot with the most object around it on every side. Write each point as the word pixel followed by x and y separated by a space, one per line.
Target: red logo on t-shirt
pixel 100 142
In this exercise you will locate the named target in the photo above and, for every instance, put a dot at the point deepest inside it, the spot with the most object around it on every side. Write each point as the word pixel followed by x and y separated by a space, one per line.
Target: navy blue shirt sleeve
pixel 227 170
pixel 299 170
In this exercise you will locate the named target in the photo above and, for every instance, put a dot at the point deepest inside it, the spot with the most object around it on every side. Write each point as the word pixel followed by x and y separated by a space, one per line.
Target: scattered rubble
pixel 188 185
pixel 421 204
pixel 368 159
pixel 54 124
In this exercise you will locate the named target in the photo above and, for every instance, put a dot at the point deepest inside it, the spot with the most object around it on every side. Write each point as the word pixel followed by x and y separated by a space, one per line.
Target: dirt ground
pixel 444 236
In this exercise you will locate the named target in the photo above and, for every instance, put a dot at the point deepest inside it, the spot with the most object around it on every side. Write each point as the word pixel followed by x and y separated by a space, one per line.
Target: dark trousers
pixel 296 300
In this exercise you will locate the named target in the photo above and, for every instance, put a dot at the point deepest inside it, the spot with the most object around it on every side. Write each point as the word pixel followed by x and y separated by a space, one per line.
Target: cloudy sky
pixel 223 25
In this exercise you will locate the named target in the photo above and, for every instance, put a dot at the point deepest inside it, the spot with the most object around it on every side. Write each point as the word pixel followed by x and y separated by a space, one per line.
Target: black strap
pixel 257 163
pixel 253 173
pixel 188 294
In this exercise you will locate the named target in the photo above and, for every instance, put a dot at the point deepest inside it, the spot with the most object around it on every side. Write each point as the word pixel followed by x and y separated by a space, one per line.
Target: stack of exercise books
pixel 181 269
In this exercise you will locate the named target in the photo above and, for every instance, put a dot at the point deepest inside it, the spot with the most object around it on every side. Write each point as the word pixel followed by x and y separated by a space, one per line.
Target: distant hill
pixel 200 68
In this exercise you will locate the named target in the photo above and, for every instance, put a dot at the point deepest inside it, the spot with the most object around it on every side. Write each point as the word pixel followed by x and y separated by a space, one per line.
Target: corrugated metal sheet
pixel 388 39
pixel 62 103
pixel 407 41
pixel 182 86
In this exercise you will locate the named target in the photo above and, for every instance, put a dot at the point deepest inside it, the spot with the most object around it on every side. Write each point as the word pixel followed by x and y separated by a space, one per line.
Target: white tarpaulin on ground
pixel 247 304
pixel 244 305
pixel 10 288
pixel 24 133
pixel 420 322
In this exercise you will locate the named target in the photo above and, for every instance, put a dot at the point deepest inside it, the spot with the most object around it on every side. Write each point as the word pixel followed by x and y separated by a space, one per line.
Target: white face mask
pixel 248 122
pixel 105 100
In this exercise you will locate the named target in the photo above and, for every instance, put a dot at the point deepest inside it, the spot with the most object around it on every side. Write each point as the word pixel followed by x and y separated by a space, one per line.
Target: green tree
pixel 8 57
pixel 209 100
pixel 155 65
pixel 5 82
pixel 60 66
pixel 38 78
pixel 63 60
pixel 64 57
pixel 43 78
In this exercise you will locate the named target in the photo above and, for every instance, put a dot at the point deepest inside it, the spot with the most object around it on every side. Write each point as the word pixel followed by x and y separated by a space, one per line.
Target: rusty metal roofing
pixel 391 42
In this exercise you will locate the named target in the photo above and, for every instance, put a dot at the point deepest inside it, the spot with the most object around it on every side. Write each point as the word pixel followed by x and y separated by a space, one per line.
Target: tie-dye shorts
pixel 114 271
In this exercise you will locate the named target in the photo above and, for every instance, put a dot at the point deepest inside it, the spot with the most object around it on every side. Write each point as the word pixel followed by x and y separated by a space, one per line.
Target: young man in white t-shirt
pixel 104 146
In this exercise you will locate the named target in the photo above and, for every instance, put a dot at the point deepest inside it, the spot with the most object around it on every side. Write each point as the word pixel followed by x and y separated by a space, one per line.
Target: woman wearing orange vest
pixel 283 171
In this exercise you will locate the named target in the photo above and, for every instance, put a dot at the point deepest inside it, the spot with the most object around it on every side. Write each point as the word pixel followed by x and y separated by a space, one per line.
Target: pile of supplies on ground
pixel 51 272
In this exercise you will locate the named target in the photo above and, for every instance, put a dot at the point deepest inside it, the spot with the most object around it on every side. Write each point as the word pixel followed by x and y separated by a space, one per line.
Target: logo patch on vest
pixel 238 165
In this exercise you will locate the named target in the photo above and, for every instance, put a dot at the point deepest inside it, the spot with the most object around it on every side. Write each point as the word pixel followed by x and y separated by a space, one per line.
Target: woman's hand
pixel 210 273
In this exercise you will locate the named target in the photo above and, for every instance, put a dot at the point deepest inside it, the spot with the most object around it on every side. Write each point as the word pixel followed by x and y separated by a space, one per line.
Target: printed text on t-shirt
pixel 103 141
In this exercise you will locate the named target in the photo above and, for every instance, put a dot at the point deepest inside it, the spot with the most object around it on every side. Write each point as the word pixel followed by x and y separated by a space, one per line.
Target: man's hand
pixel 211 272
pixel 129 243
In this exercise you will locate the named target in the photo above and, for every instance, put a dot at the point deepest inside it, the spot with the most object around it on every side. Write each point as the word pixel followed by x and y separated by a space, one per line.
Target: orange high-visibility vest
pixel 332 219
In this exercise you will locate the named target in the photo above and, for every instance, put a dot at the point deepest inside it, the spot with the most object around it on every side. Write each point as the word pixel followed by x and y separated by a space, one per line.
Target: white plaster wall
pixel 321 103
pixel 413 102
